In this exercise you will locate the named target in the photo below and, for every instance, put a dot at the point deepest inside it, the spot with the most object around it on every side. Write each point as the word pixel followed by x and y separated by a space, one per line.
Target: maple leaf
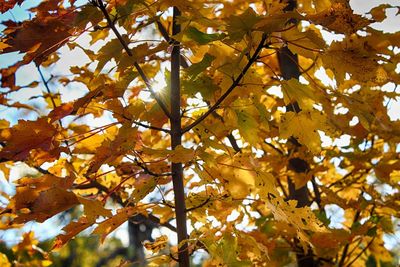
pixel 157 245
pixel 340 18
pixel 25 136
pixel 94 209
pixel 109 225
pixel 304 126
pixel 61 111
pixel 55 30
pixel 71 230
pixel 47 204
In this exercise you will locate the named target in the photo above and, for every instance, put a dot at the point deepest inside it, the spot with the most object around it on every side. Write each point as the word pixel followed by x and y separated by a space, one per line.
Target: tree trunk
pixel 139 231
pixel 288 63
pixel 176 140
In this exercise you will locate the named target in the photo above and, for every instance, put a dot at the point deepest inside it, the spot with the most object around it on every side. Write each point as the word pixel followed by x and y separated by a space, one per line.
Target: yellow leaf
pixel 99 35
pixel 182 155
pixel 340 18
pixel 71 230
pixel 159 261
pixel 158 244
pixel 94 208
pixel 106 227
pixel 3 46
pixel 265 183
pixel 304 127
pixel 294 91
pixel 301 218
pixel 144 184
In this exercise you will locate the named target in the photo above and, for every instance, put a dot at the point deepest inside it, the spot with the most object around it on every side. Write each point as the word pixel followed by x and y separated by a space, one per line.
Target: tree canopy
pixel 239 126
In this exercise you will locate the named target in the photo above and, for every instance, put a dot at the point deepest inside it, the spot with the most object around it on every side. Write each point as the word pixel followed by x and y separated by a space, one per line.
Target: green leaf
pixel 248 126
pixel 201 37
pixel 199 67
pixel 203 84
pixel 294 91
pixel 372 231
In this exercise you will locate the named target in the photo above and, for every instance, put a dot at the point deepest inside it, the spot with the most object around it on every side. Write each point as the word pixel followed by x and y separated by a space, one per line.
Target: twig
pixel 150 127
pixel 147 171
pixel 199 206
pixel 362 252
pixel 233 142
pixel 346 248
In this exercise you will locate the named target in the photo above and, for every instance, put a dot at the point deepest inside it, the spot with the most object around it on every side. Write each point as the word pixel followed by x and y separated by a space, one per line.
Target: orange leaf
pixel 48 203
pixel 61 111
pixel 71 230
pixel 24 136
pixel 94 208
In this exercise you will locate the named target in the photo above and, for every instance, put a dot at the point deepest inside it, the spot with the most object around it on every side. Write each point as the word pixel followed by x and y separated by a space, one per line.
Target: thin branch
pixel 280 152
pixel 233 142
pixel 346 248
pixel 167 38
pixel 46 85
pixel 231 88
pixel 362 252
pixel 199 206
pixel 110 22
pixel 147 171
pixel 230 136
pixel 316 193
pixel 150 127
pixel 118 199
pixel 286 195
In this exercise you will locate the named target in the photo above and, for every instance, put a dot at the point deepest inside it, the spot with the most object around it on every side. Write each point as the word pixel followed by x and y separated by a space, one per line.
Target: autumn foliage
pixel 270 114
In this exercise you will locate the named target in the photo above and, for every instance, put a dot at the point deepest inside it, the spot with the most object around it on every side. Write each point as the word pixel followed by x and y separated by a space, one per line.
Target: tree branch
pixel 231 88
pixel 346 247
pixel 110 22
pixel 150 127
pixel 167 38
pixel 362 252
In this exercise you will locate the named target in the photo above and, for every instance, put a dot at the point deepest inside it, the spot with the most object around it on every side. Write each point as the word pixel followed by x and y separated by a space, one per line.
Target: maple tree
pixel 231 146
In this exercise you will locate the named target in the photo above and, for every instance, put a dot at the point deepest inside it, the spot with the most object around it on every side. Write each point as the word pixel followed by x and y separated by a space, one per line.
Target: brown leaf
pixel 48 203
pixel 61 111
pixel 41 36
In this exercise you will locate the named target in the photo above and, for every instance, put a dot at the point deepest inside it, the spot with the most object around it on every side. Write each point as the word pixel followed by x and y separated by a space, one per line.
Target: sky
pixel 74 91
